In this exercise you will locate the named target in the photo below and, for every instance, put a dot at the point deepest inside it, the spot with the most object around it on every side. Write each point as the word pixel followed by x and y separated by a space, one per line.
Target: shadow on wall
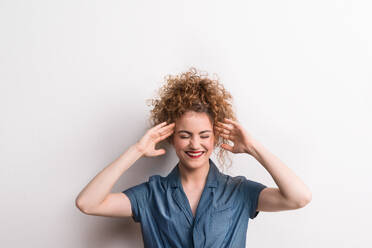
pixel 112 232
pixel 124 232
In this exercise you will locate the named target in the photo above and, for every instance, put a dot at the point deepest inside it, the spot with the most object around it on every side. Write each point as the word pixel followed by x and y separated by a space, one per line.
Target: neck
pixel 194 177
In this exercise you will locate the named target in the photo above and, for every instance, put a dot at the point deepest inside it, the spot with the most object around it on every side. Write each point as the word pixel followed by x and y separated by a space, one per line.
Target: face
pixel 193 139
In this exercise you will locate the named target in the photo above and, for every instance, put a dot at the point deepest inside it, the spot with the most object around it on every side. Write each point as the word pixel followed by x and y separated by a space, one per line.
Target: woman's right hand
pixel 146 145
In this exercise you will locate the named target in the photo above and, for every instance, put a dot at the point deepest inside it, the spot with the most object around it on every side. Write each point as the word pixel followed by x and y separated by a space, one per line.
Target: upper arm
pixel 114 205
pixel 271 200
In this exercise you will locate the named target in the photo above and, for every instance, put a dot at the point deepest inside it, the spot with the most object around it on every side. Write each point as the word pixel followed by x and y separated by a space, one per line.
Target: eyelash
pixel 203 137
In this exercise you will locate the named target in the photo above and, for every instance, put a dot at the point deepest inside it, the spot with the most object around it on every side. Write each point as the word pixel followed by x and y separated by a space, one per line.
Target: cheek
pixel 179 144
pixel 209 144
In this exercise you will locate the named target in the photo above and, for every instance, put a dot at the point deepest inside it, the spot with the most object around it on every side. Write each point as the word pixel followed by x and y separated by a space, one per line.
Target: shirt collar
pixel 174 179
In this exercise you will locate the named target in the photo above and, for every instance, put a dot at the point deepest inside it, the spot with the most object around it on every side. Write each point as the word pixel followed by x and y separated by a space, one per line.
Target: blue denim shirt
pixel 221 218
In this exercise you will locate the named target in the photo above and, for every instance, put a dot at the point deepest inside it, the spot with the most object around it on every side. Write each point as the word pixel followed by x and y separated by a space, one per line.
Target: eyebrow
pixel 184 131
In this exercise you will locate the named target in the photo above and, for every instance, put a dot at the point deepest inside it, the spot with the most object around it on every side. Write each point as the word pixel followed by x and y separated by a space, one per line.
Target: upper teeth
pixel 194 154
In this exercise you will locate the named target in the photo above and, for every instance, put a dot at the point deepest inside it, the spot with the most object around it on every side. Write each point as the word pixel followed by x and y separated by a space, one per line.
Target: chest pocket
pixel 221 218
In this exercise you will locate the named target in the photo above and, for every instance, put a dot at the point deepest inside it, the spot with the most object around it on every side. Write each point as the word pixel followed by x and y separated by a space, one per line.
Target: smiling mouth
pixel 194 154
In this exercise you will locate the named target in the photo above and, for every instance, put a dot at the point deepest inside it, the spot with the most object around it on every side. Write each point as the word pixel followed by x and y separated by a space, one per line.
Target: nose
pixel 194 143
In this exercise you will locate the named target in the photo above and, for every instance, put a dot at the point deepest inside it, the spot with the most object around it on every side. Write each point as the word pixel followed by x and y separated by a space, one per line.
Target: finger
pixel 234 123
pixel 226 136
pixel 166 135
pixel 165 130
pixel 160 125
pixel 227 147
pixel 226 126
pixel 167 127
pixel 222 130
pixel 159 130
pixel 159 152
pixel 163 136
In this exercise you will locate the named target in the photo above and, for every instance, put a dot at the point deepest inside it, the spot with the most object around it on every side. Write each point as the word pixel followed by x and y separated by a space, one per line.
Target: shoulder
pixel 231 181
pixel 143 191
pixel 240 183
pixel 157 182
pixel 230 185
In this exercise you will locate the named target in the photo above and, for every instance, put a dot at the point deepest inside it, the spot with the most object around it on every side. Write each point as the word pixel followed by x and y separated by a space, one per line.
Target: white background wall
pixel 75 75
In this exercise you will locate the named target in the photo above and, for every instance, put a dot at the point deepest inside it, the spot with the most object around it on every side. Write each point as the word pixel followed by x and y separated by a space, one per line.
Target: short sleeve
pixel 137 196
pixel 252 191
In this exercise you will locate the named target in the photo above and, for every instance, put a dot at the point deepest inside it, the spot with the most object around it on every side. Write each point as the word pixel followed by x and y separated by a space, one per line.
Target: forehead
pixel 194 121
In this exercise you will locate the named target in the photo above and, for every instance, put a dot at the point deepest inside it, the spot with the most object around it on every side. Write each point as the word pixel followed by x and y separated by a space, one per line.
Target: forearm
pixel 290 185
pixel 100 186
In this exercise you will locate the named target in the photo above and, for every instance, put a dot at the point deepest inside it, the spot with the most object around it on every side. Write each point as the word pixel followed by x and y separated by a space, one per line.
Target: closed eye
pixel 185 137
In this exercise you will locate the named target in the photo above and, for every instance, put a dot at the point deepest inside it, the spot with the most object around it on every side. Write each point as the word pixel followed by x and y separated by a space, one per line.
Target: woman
pixel 195 205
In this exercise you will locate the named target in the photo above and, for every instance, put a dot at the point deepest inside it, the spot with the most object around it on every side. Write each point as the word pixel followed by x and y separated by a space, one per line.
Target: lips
pixel 194 154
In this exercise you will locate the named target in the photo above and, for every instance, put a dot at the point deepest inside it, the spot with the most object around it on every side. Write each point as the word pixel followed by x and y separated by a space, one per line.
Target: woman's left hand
pixel 232 130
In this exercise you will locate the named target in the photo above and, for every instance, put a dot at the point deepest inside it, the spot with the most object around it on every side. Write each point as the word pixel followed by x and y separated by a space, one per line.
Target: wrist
pixel 251 147
pixel 138 149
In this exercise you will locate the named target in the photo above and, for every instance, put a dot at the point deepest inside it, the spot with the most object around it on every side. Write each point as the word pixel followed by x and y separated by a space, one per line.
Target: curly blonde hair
pixel 193 90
